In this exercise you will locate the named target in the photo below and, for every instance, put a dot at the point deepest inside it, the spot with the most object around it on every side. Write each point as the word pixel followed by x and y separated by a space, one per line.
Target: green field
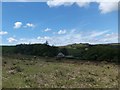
pixel 49 73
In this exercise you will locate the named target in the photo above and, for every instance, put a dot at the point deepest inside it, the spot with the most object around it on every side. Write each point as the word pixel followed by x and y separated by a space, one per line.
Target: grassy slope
pixel 40 73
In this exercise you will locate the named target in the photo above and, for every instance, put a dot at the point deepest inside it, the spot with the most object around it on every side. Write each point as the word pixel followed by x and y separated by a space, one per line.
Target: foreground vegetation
pixel 30 72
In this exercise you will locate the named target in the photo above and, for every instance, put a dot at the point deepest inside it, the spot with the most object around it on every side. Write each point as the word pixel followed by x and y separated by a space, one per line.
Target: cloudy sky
pixel 60 23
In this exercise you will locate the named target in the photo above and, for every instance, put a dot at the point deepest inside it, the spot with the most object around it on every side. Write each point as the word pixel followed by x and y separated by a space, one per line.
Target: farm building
pixel 60 55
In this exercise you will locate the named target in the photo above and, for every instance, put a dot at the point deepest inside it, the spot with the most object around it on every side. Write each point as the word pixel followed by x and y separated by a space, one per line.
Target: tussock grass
pixel 49 73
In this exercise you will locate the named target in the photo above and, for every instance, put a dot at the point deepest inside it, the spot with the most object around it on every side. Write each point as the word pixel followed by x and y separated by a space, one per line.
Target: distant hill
pixel 82 51
pixel 87 45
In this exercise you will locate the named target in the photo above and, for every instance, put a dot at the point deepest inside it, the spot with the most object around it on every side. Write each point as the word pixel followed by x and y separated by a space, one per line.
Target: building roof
pixel 60 55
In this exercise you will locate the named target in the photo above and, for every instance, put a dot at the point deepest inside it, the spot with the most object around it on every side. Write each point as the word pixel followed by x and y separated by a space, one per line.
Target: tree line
pixel 107 52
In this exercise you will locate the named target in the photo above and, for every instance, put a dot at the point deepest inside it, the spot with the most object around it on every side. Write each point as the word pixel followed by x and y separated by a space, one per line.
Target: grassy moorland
pixel 49 73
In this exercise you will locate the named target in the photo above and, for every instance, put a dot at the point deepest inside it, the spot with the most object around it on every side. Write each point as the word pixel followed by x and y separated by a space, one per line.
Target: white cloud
pixel 17 25
pixel 96 33
pixel 83 4
pixel 11 40
pixel 73 36
pixel 108 7
pixel 47 29
pixel 24 0
pixel 30 25
pixel 54 3
pixel 105 6
pixel 34 40
pixel 43 38
pixel 59 0
pixel 102 37
pixel 39 37
pixel 62 32
pixel 113 37
pixel 3 32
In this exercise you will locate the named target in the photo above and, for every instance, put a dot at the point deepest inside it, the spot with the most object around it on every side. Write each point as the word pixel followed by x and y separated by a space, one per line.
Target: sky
pixel 60 23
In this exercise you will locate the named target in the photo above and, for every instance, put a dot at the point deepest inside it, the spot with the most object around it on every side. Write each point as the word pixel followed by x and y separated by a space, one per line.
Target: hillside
pixel 35 66
pixel 80 51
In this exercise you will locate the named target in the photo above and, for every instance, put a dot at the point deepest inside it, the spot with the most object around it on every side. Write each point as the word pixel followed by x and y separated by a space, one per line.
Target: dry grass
pixel 41 73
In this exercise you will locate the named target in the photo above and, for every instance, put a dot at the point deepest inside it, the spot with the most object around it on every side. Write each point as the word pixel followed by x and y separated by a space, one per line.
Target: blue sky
pixel 59 24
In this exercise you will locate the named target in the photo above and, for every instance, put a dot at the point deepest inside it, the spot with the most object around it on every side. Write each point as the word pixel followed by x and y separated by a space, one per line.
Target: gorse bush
pixel 37 49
